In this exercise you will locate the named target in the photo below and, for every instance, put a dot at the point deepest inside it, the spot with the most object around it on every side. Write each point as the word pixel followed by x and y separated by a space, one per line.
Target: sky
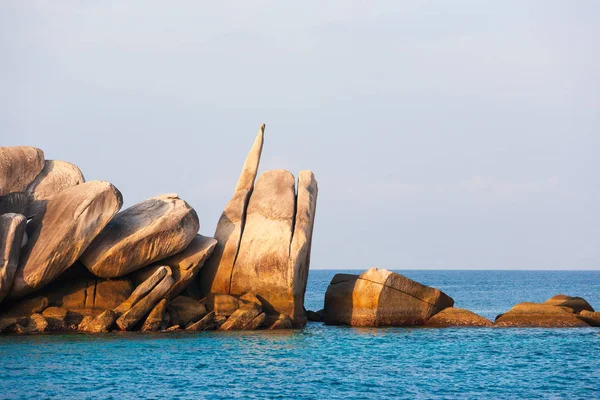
pixel 443 134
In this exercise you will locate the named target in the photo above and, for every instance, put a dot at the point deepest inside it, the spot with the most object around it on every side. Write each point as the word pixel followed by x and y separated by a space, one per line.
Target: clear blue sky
pixel 443 134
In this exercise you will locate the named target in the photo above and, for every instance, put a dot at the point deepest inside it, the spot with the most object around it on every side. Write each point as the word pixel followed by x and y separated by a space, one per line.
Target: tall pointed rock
pixel 216 274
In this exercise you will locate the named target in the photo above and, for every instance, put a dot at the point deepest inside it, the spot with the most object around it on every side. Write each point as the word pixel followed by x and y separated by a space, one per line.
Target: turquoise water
pixel 330 362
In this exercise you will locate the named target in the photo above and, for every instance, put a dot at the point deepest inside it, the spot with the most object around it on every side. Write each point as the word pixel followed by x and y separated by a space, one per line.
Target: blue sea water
pixel 321 362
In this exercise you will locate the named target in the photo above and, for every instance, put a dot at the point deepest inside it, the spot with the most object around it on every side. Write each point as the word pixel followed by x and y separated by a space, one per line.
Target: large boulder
pixel 60 235
pixel 185 265
pixel 144 298
pixel 381 298
pixel 19 165
pixel 451 317
pixel 264 239
pixel 577 304
pixel 534 315
pixel 215 277
pixel 142 234
pixel 12 229
pixel 262 264
pixel 241 318
pixel 15 202
pixel 54 178
pixel 98 324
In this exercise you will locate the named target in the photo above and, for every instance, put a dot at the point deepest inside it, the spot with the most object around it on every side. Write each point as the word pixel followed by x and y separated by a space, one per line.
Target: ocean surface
pixel 321 362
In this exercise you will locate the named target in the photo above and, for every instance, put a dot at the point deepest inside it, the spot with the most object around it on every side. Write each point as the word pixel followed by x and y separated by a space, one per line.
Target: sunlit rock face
pixel 264 239
pixel 379 297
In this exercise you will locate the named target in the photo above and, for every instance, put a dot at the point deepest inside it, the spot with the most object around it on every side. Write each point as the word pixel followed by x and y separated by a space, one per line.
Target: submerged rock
pixel 381 298
pixel 19 165
pixel 54 178
pixel 452 316
pixel 12 229
pixel 59 235
pixel 184 265
pixel 315 316
pixel 142 234
pixel 534 315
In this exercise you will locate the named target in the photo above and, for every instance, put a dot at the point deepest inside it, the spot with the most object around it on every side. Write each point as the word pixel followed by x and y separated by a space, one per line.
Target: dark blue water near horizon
pixel 330 362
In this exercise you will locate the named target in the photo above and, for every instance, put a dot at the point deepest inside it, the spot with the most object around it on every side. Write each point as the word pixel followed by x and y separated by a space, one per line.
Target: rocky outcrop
pixel 19 165
pixel 577 304
pixel 12 229
pixel 144 298
pixel 54 178
pixel 264 237
pixel 140 235
pixel 60 235
pixel 534 315
pixel 215 277
pixel 381 298
pixel 184 265
pixel 241 318
pixel 222 304
pixel 15 202
pixel 453 317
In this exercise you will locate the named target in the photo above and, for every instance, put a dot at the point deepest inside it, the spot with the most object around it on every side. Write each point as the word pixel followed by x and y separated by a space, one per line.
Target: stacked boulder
pixel 71 260
pixel 264 239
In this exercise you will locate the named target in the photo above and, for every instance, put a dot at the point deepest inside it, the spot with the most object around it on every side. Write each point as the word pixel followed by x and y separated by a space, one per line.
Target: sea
pixel 326 362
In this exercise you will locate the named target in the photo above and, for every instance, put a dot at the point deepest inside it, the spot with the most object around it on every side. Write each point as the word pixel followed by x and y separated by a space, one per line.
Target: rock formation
pixel 12 229
pixel 54 178
pixel 534 315
pixel 452 317
pixel 381 298
pixel 577 304
pixel 60 235
pixel 264 239
pixel 140 235
pixel 184 265
pixel 19 165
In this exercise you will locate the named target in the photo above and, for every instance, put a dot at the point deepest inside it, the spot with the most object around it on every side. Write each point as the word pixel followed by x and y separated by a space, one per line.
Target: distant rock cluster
pixel 378 297
pixel 70 260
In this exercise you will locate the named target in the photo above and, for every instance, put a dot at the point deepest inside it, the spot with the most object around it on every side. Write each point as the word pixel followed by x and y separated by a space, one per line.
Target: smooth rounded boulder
pixel 381 298
pixel 12 229
pixel 60 235
pixel 577 304
pixel 19 165
pixel 455 317
pixel 54 178
pixel 141 235
pixel 534 315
